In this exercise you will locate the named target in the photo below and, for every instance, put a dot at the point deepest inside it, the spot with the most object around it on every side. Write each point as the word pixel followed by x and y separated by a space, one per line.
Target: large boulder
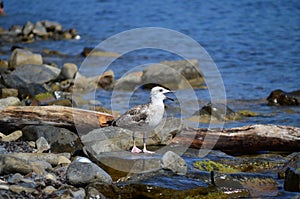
pixel 21 57
pixel 60 139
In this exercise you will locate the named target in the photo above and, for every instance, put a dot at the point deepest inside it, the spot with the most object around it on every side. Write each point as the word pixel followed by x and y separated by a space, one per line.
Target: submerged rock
pixel 217 111
pixel 280 97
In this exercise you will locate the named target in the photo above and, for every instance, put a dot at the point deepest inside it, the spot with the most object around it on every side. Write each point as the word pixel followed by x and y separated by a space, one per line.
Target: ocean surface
pixel 254 43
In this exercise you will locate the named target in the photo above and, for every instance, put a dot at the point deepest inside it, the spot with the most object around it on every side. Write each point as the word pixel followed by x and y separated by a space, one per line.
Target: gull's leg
pixel 135 149
pixel 145 149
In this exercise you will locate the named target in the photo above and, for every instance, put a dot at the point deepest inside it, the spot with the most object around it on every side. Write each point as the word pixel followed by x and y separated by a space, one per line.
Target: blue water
pixel 255 43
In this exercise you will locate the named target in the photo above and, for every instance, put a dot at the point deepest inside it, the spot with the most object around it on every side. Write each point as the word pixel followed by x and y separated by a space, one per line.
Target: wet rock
pixel 68 71
pixel 52 26
pixel 217 111
pixel 60 139
pixel 22 57
pixel 8 92
pixel 88 51
pixel 174 162
pixel 81 173
pixel 3 64
pixel 9 101
pixel 11 137
pixel 129 82
pixel 292 180
pixel 173 74
pixel 280 97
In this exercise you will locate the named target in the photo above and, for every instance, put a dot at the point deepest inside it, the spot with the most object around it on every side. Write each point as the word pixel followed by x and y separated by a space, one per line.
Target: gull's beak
pixel 169 97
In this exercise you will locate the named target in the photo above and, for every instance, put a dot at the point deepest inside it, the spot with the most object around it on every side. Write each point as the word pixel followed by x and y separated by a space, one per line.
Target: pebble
pixel 172 161
pixel 11 137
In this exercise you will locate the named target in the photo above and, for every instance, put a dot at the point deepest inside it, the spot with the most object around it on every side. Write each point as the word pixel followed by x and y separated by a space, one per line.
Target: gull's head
pixel 159 93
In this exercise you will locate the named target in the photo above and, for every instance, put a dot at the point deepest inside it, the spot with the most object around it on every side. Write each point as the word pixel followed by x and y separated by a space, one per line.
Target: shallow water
pixel 255 44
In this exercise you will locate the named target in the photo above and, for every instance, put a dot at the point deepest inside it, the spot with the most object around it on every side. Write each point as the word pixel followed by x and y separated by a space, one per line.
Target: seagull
pixel 144 117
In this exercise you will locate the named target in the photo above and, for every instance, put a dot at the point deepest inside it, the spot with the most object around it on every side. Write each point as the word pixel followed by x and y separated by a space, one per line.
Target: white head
pixel 158 93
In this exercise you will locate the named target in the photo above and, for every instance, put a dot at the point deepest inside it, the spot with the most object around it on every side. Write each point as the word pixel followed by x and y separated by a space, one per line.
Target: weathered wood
pixel 68 117
pixel 245 139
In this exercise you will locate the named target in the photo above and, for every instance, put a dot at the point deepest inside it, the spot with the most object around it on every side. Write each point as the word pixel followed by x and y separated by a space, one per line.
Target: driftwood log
pixel 247 139
pixel 67 117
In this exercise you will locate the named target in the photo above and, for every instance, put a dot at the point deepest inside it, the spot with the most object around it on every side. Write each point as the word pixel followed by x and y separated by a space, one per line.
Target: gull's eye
pixel 161 90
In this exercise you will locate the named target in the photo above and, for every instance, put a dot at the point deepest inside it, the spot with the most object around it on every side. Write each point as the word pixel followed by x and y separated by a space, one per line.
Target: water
pixel 255 43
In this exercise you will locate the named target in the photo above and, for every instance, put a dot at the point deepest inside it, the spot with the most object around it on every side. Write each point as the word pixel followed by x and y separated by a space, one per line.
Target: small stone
pixel 11 137
pixel 68 71
pixel 174 162
pixel 42 145
pixel 10 164
pixel 15 178
pixel 18 189
pixel 3 64
pixel 83 173
pixel 49 190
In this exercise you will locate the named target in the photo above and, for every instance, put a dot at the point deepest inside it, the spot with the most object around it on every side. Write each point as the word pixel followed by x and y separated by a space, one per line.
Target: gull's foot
pixel 135 150
pixel 148 152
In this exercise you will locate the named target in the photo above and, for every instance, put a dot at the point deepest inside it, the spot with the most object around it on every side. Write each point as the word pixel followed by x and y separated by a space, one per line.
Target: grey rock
pixel 30 74
pixel 173 74
pixel 22 57
pixel 68 71
pixel 15 178
pixel 174 162
pixel 117 139
pixel 39 29
pixel 218 111
pixel 82 173
pixel 28 27
pixel 9 101
pixel 16 29
pixel 60 139
pixel 129 82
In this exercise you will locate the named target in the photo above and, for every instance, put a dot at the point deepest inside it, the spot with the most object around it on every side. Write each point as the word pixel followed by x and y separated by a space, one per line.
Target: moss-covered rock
pixel 209 165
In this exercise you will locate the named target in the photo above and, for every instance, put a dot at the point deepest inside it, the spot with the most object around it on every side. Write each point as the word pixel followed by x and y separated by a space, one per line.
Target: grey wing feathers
pixel 136 115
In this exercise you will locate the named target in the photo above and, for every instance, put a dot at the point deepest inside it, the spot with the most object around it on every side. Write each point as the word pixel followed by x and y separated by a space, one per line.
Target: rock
pixel 31 74
pixel 42 145
pixel 60 139
pixel 104 81
pixel 28 27
pixel 51 158
pixel 292 173
pixel 70 192
pixel 129 82
pixel 10 164
pixel 94 193
pixel 39 29
pixel 116 139
pixel 83 173
pixel 16 29
pixel 21 57
pixel 106 140
pixel 217 111
pixel 52 26
pixel 88 51
pixel 9 101
pixel 68 71
pixel 279 97
pixel 8 92
pixel 173 74
pixel 3 64
pixel 11 137
pixel 19 189
pixel 174 162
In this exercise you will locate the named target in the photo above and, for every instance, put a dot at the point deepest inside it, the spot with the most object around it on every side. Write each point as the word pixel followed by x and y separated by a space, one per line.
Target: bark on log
pixel 247 139
pixel 68 117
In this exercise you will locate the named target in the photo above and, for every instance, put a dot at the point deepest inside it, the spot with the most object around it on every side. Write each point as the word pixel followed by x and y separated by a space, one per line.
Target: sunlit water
pixel 255 44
